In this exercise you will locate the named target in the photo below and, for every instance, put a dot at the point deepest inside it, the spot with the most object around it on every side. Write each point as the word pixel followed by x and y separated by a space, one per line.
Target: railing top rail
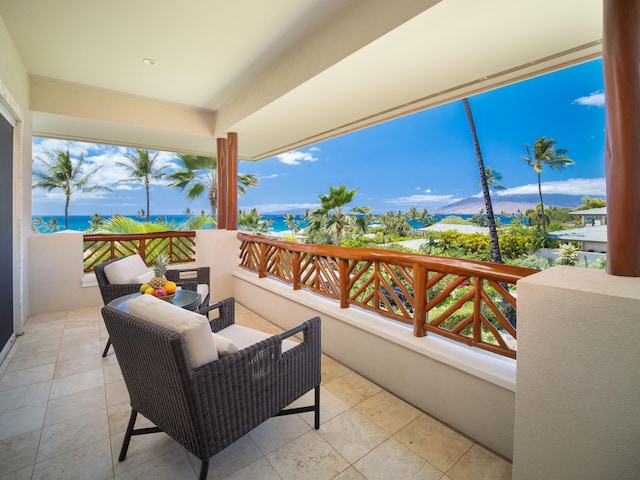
pixel 457 266
pixel 135 236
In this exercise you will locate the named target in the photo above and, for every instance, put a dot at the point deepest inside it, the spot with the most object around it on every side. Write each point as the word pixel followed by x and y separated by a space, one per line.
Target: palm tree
pixel 292 223
pixel 62 174
pixel 545 153
pixel 252 221
pixel 331 215
pixel 142 168
pixel 493 231
pixel 200 174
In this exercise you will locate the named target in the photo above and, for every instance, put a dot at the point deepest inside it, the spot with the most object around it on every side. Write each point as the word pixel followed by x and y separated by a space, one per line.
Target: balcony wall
pixel 471 390
pixel 578 376
pixel 57 280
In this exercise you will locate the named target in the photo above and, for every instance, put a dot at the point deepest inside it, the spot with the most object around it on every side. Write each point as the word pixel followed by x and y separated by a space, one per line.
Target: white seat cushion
pixel 126 270
pixel 193 327
pixel 244 337
pixel 203 290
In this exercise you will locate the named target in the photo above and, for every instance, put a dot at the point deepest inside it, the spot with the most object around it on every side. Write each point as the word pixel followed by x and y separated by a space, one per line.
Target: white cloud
pixel 265 177
pixel 297 156
pixel 572 186
pixel 428 200
pixel 281 207
pixel 594 99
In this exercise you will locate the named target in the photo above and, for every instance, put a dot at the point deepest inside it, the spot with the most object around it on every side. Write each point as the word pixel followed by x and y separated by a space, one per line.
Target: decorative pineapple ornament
pixel 159 269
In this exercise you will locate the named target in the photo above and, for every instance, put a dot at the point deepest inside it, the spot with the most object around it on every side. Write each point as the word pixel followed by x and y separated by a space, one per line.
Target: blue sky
pixel 424 160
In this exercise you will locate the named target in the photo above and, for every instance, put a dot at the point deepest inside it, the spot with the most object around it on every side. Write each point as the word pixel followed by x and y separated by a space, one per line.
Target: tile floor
pixel 64 409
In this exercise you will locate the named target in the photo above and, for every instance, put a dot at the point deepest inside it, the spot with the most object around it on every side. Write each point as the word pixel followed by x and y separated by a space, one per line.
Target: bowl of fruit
pixel 159 286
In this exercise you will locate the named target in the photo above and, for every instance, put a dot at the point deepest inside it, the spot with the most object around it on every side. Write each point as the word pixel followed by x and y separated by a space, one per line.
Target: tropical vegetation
pixel 62 173
pixel 544 152
pixel 199 175
pixel 143 167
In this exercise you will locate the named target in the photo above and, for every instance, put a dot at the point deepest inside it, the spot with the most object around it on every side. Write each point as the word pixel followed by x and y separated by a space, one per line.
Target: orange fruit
pixel 170 287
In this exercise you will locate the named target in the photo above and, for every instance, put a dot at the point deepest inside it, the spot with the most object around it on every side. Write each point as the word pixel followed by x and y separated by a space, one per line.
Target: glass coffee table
pixel 183 298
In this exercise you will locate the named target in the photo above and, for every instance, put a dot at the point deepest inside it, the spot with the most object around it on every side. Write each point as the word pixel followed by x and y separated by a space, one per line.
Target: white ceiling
pixel 280 73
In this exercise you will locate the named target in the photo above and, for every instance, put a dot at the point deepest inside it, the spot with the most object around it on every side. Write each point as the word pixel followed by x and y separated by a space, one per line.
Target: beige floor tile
pixel 278 431
pixel 388 412
pixel 75 405
pixel 22 420
pixel 119 417
pixel 22 474
pixel 77 351
pixel 61 438
pixel 352 388
pixel 170 466
pixel 480 464
pixel 435 442
pixel 36 359
pixel 236 456
pixel 142 449
pixel 112 373
pixel 394 460
pixel 76 383
pixel 77 365
pixel 307 457
pixel 332 369
pixel 350 474
pixel 26 348
pixel 51 335
pixel 91 460
pixel 261 469
pixel 27 376
pixel 352 435
pixel 18 452
pixel 24 396
pixel 330 406
pixel 116 393
pixel 80 336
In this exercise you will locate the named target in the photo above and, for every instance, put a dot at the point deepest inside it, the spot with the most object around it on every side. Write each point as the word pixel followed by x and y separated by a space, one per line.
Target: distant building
pixel 591 239
pixel 592 216
pixel 444 227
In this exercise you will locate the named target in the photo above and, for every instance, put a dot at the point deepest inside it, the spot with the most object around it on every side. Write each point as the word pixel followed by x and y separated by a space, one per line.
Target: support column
pixel 232 181
pixel 621 65
pixel 222 183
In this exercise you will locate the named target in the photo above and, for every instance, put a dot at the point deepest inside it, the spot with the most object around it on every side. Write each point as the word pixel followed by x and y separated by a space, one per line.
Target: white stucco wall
pixel 471 390
pixel 58 282
pixel 578 377
pixel 14 96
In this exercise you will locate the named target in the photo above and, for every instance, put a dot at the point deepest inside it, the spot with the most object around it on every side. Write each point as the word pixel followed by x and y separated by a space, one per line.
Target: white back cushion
pixel 126 270
pixel 242 337
pixel 193 327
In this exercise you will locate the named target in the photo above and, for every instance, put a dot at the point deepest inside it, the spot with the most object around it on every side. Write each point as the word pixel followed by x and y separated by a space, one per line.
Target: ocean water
pixel 82 222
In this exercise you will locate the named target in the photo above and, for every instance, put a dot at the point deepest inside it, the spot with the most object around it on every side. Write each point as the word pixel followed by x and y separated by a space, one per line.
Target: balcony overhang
pixel 317 69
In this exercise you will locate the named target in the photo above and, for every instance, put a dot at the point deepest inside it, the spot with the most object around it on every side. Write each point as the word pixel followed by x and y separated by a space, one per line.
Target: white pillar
pixel 578 376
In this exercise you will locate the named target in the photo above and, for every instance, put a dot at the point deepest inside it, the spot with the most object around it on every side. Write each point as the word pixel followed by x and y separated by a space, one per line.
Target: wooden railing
pixel 466 301
pixel 180 247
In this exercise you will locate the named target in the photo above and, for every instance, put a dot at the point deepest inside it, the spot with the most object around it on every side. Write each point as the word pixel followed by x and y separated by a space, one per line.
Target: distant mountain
pixel 511 203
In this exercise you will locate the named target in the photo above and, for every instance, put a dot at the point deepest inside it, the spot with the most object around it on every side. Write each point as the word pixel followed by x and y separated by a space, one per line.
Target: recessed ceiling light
pixel 150 62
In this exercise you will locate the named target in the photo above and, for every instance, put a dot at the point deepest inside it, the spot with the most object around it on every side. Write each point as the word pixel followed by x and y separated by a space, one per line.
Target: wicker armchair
pixel 188 278
pixel 205 409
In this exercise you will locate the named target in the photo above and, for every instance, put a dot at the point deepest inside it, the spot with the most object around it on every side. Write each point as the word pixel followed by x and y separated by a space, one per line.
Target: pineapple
pixel 159 269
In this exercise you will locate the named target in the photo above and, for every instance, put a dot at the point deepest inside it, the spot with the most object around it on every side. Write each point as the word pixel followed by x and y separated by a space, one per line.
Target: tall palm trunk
pixel 544 221
pixel 148 200
pixel 66 212
pixel 493 231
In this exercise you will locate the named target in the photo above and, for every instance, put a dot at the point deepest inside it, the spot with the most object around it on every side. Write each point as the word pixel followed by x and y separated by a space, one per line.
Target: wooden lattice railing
pixel 180 247
pixel 467 301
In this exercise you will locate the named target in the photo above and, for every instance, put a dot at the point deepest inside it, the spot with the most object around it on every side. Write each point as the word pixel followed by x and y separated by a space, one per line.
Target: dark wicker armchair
pixel 205 409
pixel 188 278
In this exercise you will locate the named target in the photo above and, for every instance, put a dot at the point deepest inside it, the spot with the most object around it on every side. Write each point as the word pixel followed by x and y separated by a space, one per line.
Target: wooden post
pixel 420 300
pixel 232 181
pixel 621 65
pixel 343 267
pixel 222 183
